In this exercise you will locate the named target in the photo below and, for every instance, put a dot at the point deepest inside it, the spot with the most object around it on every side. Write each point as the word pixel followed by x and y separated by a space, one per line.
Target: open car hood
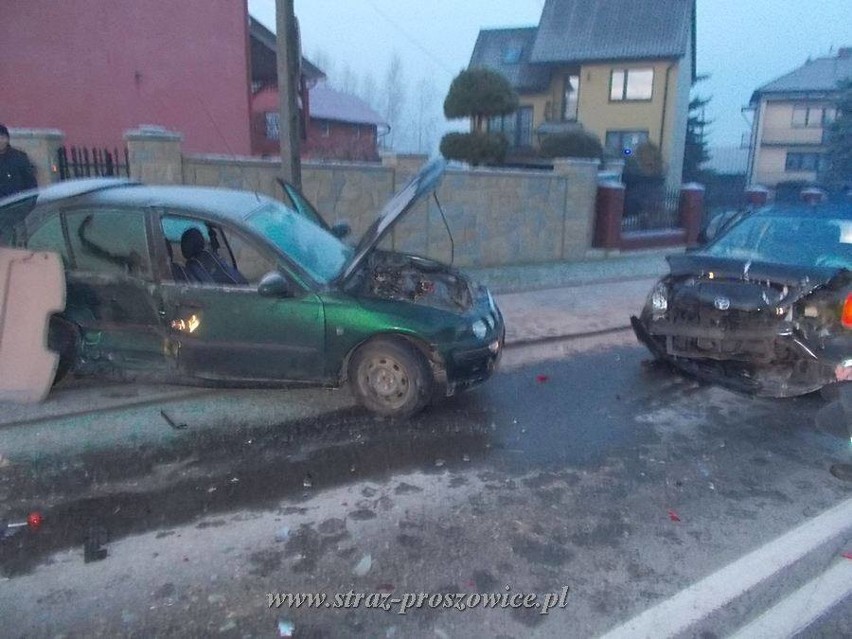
pixel 419 187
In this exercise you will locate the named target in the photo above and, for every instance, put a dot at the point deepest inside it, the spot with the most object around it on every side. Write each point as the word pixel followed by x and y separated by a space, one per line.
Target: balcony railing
pixel 790 135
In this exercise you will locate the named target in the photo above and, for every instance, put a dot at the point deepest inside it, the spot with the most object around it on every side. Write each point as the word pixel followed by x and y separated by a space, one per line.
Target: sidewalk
pixel 569 299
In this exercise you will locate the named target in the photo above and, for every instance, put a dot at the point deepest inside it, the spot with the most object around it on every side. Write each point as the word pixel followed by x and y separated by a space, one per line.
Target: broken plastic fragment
pixel 439 462
pixel 363 566
pixel 847 555
pixel 541 379
pixel 308 481
pixel 34 520
pixel 673 516
pixel 286 628
pixel 466 457
pixel 283 534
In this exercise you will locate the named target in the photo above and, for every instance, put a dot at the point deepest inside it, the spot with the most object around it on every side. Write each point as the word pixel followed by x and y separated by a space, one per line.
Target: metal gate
pixel 80 162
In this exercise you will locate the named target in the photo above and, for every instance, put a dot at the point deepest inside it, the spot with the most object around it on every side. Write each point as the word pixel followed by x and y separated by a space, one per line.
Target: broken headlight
pixel 479 329
pixel 659 299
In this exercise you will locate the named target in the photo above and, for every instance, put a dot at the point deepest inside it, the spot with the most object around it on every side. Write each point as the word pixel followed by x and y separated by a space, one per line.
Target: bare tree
pixel 369 91
pixel 323 61
pixel 394 98
pixel 348 81
pixel 426 120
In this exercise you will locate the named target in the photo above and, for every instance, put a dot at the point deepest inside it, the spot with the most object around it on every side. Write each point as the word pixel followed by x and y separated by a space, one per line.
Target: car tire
pixel 390 378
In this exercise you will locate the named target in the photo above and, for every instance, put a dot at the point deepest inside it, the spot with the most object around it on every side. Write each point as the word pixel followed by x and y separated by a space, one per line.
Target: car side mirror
pixel 274 285
pixel 341 230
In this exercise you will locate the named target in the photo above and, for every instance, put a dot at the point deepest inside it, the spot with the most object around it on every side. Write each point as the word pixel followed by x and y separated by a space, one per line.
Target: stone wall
pixel 497 217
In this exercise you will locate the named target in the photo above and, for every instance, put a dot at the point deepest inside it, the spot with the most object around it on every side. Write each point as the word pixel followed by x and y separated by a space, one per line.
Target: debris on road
pixel 286 628
pixel 93 549
pixel 363 566
pixel 171 422
pixel 541 379
pixel 308 481
pixel 673 516
pixel 283 534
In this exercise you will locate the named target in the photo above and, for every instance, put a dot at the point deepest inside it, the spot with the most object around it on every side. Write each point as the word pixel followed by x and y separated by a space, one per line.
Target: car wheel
pixel 390 378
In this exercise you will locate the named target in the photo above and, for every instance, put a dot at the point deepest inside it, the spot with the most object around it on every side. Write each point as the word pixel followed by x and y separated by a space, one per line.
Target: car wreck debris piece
pixel 93 549
pixel 363 566
pixel 541 379
pixel 286 628
pixel 171 422
pixel 32 288
pixel 673 516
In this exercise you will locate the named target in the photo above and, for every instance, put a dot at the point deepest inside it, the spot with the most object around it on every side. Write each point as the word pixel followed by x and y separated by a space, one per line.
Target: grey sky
pixel 742 44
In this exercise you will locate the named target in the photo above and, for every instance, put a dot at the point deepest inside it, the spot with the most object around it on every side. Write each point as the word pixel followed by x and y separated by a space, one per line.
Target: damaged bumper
pixel 754 361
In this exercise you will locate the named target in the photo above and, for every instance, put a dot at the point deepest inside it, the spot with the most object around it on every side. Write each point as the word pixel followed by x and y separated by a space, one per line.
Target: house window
pixel 517 126
pixel 813 117
pixel 620 142
pixel 571 100
pixel 806 162
pixel 272 122
pixel 512 54
pixel 631 84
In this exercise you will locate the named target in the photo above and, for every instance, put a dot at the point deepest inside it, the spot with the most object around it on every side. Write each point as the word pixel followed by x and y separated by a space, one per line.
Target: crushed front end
pixel 768 330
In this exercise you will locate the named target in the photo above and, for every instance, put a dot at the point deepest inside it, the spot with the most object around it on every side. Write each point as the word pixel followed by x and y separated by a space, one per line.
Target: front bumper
pixel 778 365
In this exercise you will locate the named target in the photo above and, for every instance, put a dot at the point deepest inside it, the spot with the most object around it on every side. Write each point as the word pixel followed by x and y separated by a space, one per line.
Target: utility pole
pixel 289 61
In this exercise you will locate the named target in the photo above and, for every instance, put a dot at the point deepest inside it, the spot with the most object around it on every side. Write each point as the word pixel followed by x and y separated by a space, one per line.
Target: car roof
pixel 223 204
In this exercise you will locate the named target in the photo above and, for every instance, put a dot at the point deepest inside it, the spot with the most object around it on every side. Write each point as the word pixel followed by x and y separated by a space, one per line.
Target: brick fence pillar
pixel 691 211
pixel 813 195
pixel 757 195
pixel 155 155
pixel 41 145
pixel 578 221
pixel 609 213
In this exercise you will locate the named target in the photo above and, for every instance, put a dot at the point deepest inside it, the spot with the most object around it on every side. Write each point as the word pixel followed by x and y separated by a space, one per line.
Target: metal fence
pixel 80 162
pixel 650 210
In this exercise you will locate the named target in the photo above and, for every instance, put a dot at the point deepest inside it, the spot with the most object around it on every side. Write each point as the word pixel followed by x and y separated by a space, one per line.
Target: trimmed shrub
pixel 479 93
pixel 475 148
pixel 575 144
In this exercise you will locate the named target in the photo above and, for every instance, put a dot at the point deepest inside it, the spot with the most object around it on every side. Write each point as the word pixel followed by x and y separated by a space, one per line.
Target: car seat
pixel 203 265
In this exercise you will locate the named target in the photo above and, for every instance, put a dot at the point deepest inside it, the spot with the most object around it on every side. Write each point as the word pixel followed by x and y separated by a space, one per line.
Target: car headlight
pixel 659 299
pixel 480 330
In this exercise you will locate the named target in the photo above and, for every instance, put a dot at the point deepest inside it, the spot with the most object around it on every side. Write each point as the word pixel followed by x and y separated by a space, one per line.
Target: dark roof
pixel 573 31
pixel 264 65
pixel 508 51
pixel 330 104
pixel 820 76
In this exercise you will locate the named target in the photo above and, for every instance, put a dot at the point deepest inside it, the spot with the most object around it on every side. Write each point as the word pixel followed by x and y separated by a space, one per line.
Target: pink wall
pixel 95 68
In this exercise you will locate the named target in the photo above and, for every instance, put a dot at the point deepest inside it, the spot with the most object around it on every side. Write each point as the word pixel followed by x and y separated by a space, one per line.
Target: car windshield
pixel 317 251
pixel 796 239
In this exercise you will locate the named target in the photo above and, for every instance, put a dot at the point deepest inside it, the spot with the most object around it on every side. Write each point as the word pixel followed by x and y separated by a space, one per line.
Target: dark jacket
pixel 16 172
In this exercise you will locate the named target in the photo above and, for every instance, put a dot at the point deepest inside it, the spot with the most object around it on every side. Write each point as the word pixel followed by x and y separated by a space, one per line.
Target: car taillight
pixel 846 315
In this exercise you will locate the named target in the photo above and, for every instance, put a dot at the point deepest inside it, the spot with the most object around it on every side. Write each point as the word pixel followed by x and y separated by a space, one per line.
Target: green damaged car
pixel 199 285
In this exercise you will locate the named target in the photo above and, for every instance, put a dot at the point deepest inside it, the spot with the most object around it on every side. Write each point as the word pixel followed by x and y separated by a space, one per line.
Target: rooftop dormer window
pixel 512 54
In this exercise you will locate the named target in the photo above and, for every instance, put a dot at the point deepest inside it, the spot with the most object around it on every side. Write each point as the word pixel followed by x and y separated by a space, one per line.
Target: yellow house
pixel 791 116
pixel 621 70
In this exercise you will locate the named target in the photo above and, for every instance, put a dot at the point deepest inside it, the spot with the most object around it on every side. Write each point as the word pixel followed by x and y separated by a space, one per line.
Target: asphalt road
pixel 578 466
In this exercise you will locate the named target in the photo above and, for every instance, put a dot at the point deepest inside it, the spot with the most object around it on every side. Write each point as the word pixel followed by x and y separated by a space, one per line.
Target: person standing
pixel 16 171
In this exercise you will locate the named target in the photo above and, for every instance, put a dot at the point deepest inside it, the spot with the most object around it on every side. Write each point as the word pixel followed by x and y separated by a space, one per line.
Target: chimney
pixel 844 52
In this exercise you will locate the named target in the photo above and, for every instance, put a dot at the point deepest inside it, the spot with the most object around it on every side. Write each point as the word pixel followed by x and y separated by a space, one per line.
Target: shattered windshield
pixel 313 248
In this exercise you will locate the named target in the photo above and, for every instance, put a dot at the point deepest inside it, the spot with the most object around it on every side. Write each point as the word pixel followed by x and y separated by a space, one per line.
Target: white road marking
pixel 798 611
pixel 691 605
